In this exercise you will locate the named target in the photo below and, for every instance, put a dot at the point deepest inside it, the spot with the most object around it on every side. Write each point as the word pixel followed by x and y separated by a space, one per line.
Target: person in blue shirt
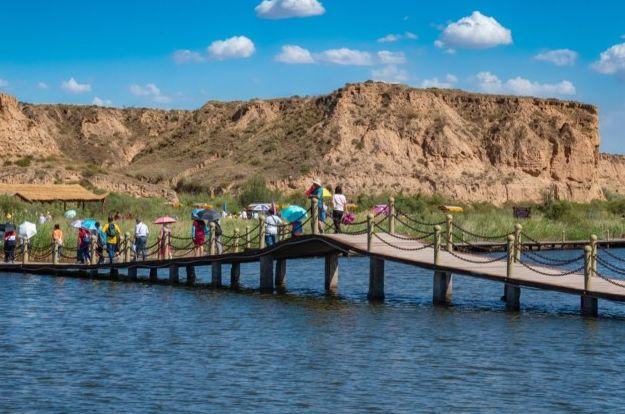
pixel 316 191
pixel 100 243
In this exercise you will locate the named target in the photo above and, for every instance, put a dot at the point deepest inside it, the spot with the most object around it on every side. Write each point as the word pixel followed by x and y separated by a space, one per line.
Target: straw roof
pixel 50 192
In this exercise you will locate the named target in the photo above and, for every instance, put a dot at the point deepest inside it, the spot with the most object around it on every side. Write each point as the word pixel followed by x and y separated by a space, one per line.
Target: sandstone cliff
pixel 371 137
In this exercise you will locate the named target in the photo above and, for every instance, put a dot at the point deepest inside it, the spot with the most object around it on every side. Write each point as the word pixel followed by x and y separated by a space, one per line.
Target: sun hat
pixel 316 181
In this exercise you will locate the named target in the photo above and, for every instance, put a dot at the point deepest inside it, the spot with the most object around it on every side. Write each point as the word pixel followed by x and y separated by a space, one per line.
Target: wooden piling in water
pixel 280 273
pixel 266 274
pixel 376 279
pixel 132 273
pixel 235 275
pixel 174 274
pixel 190 270
pixel 441 281
pixel 216 274
pixel 589 305
pixel 153 274
pixel 512 293
pixel 331 272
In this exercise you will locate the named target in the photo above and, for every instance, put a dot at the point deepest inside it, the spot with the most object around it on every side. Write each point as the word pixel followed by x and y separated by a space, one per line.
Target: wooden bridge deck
pixel 404 251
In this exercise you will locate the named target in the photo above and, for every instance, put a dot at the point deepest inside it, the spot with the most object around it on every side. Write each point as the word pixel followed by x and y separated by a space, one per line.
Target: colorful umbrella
pixel 76 224
pixel 88 224
pixel 164 220
pixel 293 213
pixel 326 193
pixel 27 229
pixel 70 214
pixel 259 207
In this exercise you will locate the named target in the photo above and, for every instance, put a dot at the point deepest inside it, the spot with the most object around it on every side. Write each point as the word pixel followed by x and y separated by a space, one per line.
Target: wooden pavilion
pixel 50 193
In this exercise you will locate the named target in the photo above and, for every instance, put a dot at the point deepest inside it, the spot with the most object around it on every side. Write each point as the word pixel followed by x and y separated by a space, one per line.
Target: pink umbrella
pixel 164 220
pixel 381 209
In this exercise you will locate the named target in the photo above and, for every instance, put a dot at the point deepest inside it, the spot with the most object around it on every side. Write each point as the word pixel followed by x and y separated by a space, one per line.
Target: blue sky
pixel 184 53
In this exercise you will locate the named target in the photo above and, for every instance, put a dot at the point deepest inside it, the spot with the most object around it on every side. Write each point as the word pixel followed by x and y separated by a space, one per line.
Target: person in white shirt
pixel 272 225
pixel 42 219
pixel 141 239
pixel 339 203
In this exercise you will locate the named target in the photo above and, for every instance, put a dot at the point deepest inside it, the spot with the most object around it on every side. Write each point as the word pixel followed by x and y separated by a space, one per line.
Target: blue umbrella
pixel 196 214
pixel 293 213
pixel 88 224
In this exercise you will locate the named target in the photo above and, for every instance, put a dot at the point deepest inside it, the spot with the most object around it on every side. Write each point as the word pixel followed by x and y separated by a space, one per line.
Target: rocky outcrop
pixel 612 173
pixel 370 137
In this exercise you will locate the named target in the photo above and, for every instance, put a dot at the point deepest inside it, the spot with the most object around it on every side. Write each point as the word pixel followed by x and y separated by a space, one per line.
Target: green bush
pixel 24 162
pixel 255 190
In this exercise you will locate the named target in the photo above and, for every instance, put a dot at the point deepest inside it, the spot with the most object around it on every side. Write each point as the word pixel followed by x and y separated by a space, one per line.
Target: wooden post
pixel 190 270
pixel 517 242
pixel 127 247
pixel 248 245
pixel 563 236
pixel 266 274
pixel 369 231
pixel 331 272
pixel 589 305
pixel 450 235
pixel 593 255
pixel 236 240
pixel 92 251
pixel 25 250
pixel 314 215
pixel 391 215
pixel 153 274
pixel 216 274
pixel 512 293
pixel 132 273
pixel 55 253
pixel 280 273
pixel 174 274
pixel 376 279
pixel 261 232
pixel 235 275
pixel 442 284
pixel 212 240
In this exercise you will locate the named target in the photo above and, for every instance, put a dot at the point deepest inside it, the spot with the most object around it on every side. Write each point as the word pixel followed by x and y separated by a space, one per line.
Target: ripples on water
pixel 71 345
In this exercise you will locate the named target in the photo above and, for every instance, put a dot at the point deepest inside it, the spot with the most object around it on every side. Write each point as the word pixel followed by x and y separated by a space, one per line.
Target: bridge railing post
pixel 510 257
pixel 314 215
pixel 127 247
pixel 450 235
pixel 212 240
pixel 92 247
pixel 587 267
pixel 236 240
pixel 437 243
pixel 369 231
pixel 261 232
pixel 391 215
pixel 517 242
pixel 589 305
pixel 55 253
pixel 248 244
pixel 24 250
pixel 593 254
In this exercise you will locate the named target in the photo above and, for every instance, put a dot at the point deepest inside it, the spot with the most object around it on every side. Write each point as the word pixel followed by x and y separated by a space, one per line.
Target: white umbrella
pixel 70 214
pixel 76 224
pixel 27 229
pixel 260 207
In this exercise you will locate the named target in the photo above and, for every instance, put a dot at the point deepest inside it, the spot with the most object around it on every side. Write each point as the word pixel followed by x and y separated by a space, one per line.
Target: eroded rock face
pixel 370 137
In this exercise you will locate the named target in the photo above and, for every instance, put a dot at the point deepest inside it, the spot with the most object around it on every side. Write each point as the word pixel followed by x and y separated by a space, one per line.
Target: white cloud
pixel 448 82
pixel 284 9
pixel 394 37
pixel 520 86
pixel 390 73
pixel 474 32
pixel 3 83
pixel 295 55
pixel 184 56
pixel 42 85
pixel 102 102
pixel 559 57
pixel 391 58
pixel 149 90
pixel 345 56
pixel 232 48
pixel 611 61
pixel 73 86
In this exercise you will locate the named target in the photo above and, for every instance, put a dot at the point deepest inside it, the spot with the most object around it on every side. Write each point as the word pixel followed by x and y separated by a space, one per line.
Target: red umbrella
pixel 164 220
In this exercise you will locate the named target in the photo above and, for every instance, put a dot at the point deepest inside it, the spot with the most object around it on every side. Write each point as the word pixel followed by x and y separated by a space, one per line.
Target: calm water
pixel 70 345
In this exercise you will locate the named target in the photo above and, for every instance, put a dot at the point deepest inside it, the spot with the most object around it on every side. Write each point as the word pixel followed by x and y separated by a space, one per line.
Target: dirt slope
pixel 371 137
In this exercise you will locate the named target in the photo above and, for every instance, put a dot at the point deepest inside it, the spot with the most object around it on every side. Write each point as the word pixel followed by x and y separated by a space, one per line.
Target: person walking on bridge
pixel 112 232
pixel 316 191
pixel 57 239
pixel 198 234
pixel 339 203
pixel 272 225
pixel 141 239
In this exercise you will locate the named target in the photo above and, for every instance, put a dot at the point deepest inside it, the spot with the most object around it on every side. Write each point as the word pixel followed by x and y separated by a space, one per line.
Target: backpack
pixel 111 231
pixel 218 231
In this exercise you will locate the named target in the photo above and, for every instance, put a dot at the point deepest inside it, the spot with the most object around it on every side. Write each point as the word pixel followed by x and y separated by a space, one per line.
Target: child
pixel 10 241
pixel 57 238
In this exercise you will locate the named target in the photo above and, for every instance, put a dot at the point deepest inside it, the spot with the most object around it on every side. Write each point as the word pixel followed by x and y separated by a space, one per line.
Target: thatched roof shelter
pixel 47 193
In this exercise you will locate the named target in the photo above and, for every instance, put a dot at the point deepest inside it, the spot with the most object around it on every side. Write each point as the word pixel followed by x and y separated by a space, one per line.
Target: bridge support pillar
pixel 190 269
pixel 376 279
pixel 153 274
pixel 216 274
pixel 280 273
pixel 174 274
pixel 331 272
pixel 235 275
pixel 512 296
pixel 114 273
pixel 442 288
pixel 589 306
pixel 132 273
pixel 266 274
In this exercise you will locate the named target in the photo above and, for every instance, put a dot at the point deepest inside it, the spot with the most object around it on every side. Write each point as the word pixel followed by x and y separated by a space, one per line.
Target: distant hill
pixel 371 137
